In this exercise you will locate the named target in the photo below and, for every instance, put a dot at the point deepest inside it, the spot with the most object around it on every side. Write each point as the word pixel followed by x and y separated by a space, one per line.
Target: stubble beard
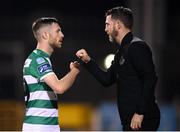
pixel 55 45
pixel 113 36
pixel 111 39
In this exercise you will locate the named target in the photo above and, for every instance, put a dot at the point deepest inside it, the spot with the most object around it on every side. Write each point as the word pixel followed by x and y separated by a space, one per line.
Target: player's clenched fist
pixel 74 66
pixel 83 55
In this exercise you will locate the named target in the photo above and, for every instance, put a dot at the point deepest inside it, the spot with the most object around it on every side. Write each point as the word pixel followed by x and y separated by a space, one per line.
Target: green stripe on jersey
pixel 42 104
pixel 41 120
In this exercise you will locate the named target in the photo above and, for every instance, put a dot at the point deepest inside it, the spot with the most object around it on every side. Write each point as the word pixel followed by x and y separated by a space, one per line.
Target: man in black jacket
pixel 132 70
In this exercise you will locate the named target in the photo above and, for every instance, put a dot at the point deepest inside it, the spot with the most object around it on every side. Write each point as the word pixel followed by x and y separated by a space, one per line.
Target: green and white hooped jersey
pixel 41 101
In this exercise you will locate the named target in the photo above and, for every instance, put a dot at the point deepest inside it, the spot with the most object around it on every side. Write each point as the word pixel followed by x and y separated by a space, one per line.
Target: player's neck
pixel 45 47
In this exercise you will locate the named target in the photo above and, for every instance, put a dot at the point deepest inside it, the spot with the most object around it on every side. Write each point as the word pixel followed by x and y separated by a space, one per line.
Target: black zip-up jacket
pixel 134 73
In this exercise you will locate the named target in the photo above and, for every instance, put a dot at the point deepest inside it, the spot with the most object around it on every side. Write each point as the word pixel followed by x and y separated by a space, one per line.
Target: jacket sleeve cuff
pixel 88 64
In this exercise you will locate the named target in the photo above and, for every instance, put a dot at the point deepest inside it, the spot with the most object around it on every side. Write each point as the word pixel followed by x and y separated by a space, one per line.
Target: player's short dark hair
pixel 123 14
pixel 43 21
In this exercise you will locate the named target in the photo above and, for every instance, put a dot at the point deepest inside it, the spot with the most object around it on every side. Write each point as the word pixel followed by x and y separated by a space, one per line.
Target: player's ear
pixel 45 35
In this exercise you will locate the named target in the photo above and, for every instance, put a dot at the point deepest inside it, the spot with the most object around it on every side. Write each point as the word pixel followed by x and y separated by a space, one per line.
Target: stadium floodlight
pixel 107 61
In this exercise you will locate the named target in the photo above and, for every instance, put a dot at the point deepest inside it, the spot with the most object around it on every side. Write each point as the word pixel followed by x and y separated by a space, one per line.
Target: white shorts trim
pixel 40 128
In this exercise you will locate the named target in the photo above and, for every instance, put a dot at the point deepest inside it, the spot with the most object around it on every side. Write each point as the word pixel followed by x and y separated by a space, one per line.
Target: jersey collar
pixel 38 51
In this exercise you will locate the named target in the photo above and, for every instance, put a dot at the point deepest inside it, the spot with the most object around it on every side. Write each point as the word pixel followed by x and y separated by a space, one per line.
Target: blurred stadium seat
pixel 75 116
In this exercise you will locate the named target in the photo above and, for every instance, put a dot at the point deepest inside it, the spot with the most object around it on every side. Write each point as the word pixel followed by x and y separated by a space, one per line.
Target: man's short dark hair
pixel 43 21
pixel 123 14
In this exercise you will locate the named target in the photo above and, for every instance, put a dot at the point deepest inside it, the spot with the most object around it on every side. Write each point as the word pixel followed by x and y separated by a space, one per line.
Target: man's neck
pixel 121 35
pixel 45 47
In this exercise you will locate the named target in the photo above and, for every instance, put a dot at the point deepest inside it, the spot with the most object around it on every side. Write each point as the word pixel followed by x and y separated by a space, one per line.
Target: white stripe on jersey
pixel 42 112
pixel 30 79
pixel 40 128
pixel 46 75
pixel 49 61
pixel 25 98
pixel 42 95
pixel 27 62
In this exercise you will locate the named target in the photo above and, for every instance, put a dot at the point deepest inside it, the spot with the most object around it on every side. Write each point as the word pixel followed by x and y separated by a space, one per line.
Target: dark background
pixel 82 23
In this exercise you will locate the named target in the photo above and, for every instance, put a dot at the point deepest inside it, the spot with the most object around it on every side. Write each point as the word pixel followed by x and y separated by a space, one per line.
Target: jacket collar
pixel 127 39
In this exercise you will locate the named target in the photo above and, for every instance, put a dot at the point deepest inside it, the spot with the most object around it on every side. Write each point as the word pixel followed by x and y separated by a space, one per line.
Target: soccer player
pixel 41 83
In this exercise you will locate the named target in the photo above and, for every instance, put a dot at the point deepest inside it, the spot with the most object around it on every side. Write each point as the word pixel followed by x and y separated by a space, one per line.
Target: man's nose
pixel 62 35
pixel 106 29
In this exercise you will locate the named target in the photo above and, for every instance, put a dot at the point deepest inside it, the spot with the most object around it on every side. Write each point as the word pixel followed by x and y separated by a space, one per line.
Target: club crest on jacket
pixel 122 60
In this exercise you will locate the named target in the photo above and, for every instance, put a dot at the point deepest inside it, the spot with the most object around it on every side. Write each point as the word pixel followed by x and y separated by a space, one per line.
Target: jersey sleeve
pixel 42 68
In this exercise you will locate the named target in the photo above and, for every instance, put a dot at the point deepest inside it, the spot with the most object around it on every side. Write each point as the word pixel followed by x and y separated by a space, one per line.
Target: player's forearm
pixel 67 81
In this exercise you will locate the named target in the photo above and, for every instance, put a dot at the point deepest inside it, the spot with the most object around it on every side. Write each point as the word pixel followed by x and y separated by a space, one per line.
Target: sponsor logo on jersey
pixel 40 60
pixel 44 68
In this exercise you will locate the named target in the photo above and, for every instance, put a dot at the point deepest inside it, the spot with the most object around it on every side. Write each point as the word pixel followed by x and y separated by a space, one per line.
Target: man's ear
pixel 118 24
pixel 45 35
